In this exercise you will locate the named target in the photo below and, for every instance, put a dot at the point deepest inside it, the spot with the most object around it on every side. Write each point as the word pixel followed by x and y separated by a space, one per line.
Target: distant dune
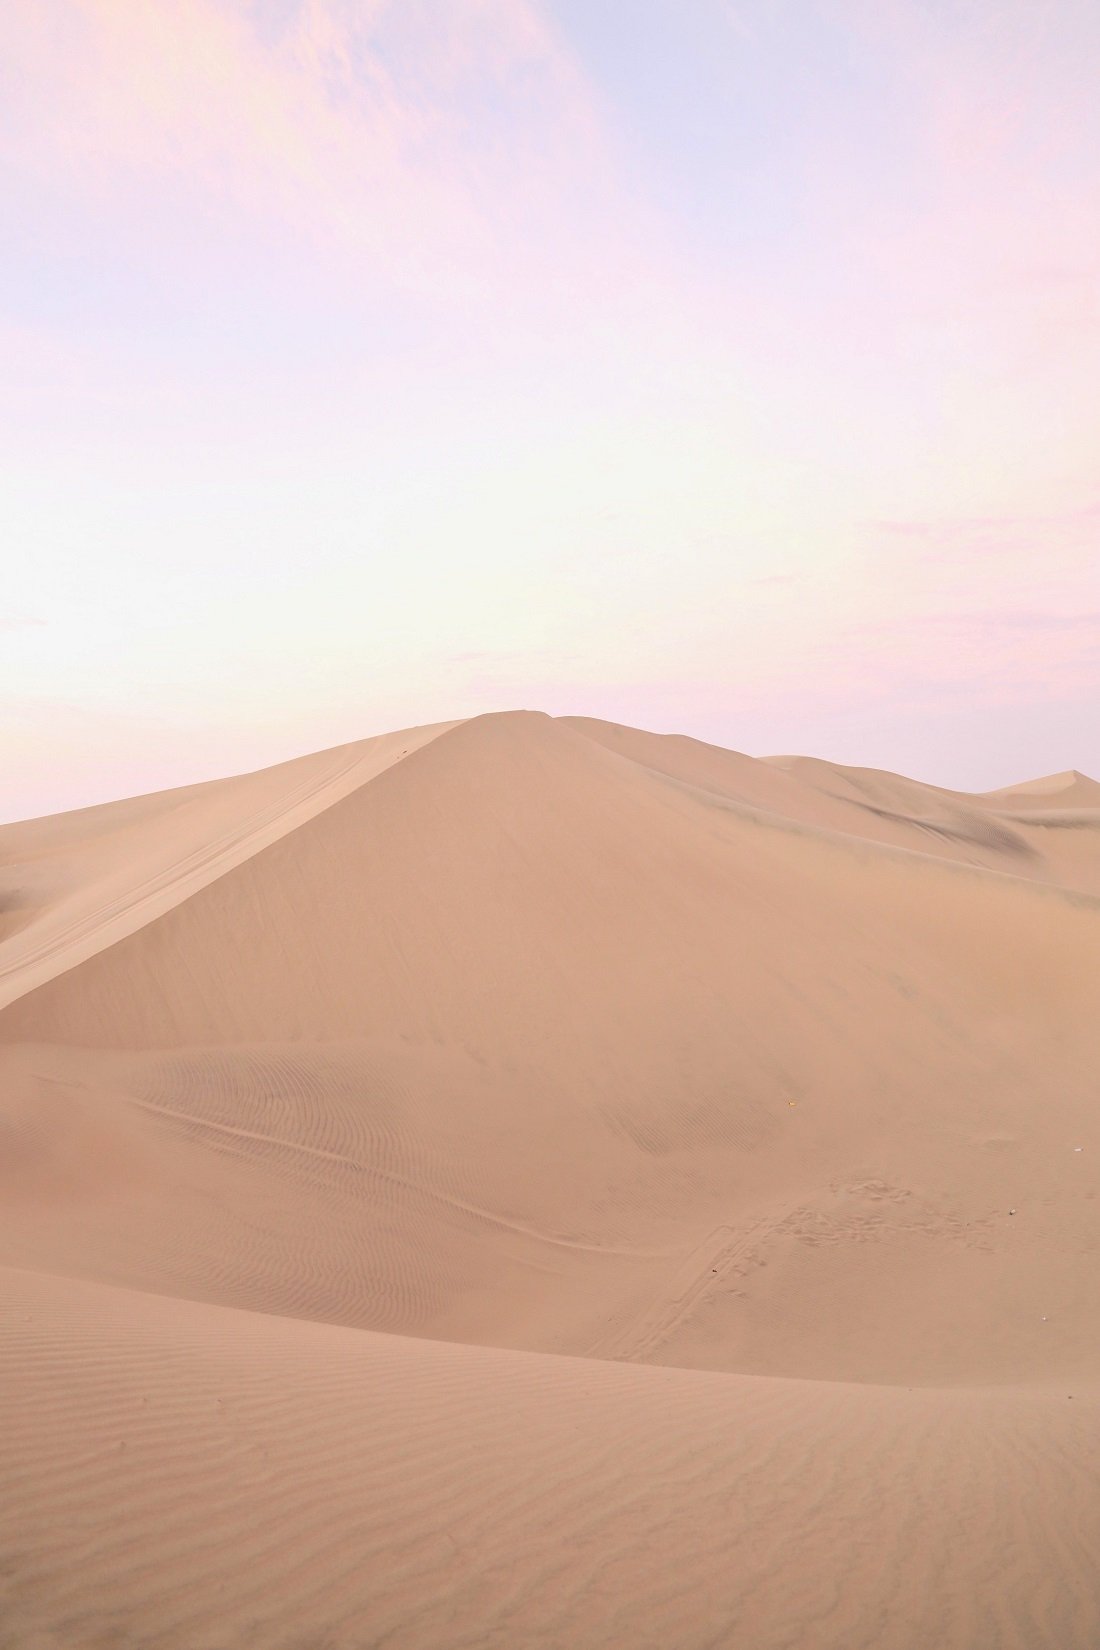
pixel 531 1182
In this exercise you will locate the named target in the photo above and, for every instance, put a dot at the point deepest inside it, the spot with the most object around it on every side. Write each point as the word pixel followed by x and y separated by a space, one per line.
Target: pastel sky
pixel 729 367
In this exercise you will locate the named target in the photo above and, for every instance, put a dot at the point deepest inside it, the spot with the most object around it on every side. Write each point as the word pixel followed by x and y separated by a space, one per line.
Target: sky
pixel 723 367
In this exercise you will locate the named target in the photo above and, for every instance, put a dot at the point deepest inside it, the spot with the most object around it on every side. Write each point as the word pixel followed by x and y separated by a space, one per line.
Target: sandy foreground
pixel 529 1182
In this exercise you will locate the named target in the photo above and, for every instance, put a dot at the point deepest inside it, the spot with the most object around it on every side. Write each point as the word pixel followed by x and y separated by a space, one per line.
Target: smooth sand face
pixel 336 1100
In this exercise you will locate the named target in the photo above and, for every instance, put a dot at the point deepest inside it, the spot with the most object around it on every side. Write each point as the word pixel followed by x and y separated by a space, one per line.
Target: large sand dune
pixel 530 1182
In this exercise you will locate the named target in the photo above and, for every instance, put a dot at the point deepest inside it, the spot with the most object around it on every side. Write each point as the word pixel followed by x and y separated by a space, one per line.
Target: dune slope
pixel 198 1476
pixel 72 884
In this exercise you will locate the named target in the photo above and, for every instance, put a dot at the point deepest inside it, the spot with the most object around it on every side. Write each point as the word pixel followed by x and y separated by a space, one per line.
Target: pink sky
pixel 730 369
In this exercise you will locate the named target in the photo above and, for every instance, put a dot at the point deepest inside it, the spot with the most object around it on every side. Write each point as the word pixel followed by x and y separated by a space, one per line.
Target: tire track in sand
pixel 704 1268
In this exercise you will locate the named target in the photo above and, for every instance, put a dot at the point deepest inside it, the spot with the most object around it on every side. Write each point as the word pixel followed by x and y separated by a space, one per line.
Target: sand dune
pixel 1056 790
pixel 540 1182
pixel 193 1476
pixel 77 882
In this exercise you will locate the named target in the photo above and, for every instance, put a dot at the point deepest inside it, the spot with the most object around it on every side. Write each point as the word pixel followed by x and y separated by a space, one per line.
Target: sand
pixel 536 1182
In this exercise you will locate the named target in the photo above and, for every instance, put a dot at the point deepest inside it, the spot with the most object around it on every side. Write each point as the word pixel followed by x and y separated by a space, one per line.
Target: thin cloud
pixel 351 126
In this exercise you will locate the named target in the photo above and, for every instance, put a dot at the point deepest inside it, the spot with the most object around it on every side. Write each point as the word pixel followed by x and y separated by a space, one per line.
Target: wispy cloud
pixel 976 623
pixel 406 136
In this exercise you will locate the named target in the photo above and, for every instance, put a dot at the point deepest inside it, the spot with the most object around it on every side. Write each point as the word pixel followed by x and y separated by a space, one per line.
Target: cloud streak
pixel 356 128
